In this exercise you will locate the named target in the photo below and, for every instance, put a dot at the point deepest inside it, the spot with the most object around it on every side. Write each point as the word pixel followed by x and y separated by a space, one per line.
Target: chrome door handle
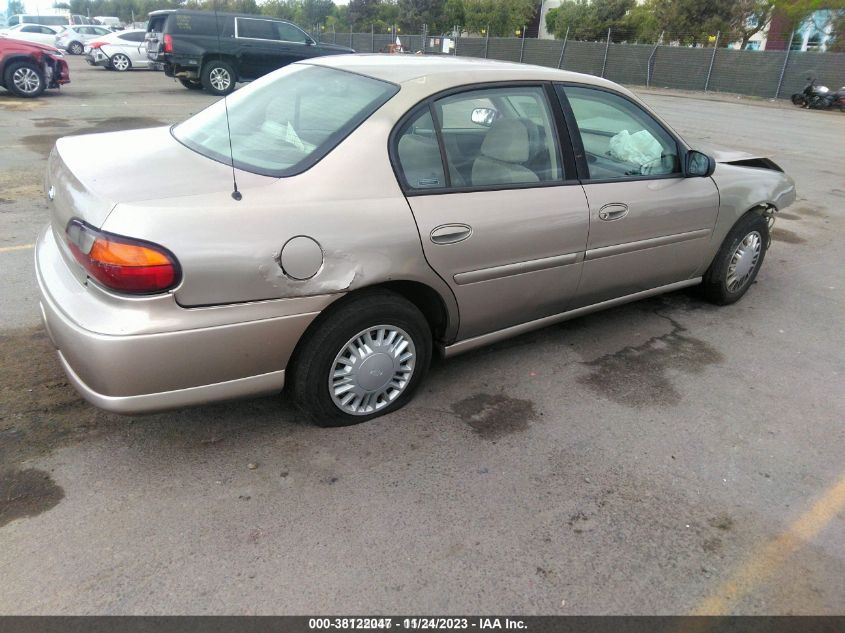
pixel 613 211
pixel 450 233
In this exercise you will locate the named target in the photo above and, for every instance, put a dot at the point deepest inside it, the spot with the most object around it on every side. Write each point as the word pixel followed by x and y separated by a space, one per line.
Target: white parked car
pixel 120 51
pixel 38 33
pixel 73 38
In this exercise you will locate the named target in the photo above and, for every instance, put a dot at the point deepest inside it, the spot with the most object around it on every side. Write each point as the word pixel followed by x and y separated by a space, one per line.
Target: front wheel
pixel 75 48
pixel 218 78
pixel 24 79
pixel 798 99
pixel 120 62
pixel 364 359
pixel 738 261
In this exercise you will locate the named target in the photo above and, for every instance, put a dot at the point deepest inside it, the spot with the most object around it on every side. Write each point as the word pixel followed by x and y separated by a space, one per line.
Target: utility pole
pixel 563 48
pixel 522 47
pixel 712 60
pixel 606 49
pixel 785 62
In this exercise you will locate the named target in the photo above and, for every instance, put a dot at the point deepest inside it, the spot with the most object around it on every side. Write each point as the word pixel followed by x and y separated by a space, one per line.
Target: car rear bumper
pixel 97 58
pixel 145 354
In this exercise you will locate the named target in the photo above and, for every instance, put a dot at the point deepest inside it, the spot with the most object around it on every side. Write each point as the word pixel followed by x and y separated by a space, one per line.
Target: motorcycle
pixel 818 97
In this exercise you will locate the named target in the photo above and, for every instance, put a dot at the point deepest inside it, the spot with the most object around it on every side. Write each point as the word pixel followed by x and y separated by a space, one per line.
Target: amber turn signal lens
pixel 121 263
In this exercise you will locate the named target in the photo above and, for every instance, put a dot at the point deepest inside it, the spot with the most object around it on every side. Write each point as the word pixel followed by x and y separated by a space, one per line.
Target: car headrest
pixel 507 141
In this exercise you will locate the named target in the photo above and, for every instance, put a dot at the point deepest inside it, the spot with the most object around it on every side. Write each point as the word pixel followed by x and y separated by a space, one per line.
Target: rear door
pixel 501 215
pixel 153 38
pixel 650 225
pixel 261 50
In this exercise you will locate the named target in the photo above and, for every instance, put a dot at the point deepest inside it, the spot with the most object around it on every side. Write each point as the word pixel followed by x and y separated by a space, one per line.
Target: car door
pixel 295 44
pixel 132 45
pixel 260 48
pixel 37 33
pixel 502 217
pixel 650 225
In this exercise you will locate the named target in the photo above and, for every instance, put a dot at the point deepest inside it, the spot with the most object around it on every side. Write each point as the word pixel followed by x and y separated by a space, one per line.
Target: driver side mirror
pixel 699 164
pixel 310 42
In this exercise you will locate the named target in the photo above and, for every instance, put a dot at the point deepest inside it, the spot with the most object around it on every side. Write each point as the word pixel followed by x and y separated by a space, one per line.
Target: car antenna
pixel 235 193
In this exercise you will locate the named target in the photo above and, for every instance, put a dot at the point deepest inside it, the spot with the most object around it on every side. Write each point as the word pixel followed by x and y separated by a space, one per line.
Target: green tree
pixel 590 19
pixel 362 13
pixel 693 22
pixel 748 18
pixel 413 14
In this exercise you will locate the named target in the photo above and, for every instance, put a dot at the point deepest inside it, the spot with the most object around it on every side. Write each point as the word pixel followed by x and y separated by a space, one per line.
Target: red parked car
pixel 27 68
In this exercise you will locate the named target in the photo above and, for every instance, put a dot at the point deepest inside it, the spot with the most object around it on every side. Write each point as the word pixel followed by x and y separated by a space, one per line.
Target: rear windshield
pixel 286 121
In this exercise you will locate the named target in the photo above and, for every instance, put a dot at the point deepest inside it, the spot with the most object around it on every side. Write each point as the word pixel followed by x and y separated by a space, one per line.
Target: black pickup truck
pixel 210 50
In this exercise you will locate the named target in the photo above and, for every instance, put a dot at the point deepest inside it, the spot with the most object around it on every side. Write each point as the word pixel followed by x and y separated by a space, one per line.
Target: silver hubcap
pixel 120 62
pixel 372 369
pixel 220 79
pixel 76 49
pixel 743 261
pixel 26 80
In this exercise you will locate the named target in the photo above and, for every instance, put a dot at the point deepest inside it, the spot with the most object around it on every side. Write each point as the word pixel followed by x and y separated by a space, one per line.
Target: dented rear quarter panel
pixel 349 202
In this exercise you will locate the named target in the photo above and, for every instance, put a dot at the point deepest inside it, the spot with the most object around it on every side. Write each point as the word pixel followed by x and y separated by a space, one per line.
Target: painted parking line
pixel 19 247
pixel 767 559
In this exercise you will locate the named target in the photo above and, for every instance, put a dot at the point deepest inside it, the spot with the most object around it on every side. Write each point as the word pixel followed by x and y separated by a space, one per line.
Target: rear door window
pixel 257 29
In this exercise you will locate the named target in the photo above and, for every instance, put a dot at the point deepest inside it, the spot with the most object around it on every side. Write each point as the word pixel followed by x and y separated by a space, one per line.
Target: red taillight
pixel 122 263
pixel 168 43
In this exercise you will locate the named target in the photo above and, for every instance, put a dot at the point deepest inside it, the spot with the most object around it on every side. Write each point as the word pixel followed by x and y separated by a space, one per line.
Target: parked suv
pixel 213 51
pixel 27 68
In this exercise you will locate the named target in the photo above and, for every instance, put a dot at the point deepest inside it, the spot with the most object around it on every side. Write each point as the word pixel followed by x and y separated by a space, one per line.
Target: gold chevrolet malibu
pixel 329 227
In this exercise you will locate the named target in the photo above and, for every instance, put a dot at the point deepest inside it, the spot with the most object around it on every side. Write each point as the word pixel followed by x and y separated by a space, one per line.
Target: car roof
pixel 452 70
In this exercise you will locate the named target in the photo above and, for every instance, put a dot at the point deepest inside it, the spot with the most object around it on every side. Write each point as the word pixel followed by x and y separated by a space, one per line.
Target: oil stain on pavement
pixel 783 235
pixel 27 493
pixel 43 143
pixel 494 416
pixel 637 375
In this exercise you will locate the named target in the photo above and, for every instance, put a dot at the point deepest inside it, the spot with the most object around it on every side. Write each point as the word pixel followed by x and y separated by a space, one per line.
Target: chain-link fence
pixel 749 72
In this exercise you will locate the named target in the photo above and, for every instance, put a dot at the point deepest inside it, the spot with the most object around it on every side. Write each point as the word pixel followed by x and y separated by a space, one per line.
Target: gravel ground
pixel 663 457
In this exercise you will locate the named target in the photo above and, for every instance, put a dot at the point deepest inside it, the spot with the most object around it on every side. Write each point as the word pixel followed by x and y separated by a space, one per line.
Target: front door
pixel 649 225
pixel 501 217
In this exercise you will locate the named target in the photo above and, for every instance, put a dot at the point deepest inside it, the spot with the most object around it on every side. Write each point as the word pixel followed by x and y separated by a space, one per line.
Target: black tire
pixel 75 48
pixel 19 75
pixel 211 71
pixel 308 377
pixel 191 84
pixel 122 61
pixel 798 99
pixel 716 287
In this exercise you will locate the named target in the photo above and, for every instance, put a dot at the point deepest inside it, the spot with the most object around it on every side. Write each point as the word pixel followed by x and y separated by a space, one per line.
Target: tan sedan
pixel 385 207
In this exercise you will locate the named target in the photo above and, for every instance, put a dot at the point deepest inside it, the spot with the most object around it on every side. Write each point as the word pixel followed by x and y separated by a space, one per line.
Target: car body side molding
pixel 494 337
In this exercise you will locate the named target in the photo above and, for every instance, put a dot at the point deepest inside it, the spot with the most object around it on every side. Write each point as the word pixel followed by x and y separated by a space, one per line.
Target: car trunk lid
pixel 89 175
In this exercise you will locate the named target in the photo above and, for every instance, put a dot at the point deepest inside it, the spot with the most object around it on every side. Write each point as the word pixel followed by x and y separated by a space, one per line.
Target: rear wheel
pixel 364 359
pixel 738 261
pixel 75 48
pixel 218 78
pixel 24 79
pixel 191 84
pixel 120 62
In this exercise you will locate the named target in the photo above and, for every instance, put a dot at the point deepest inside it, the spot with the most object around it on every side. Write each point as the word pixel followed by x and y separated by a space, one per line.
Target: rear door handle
pixel 613 211
pixel 450 233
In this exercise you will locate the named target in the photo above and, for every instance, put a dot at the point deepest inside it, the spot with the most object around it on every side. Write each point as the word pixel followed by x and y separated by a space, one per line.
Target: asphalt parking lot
pixel 663 457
